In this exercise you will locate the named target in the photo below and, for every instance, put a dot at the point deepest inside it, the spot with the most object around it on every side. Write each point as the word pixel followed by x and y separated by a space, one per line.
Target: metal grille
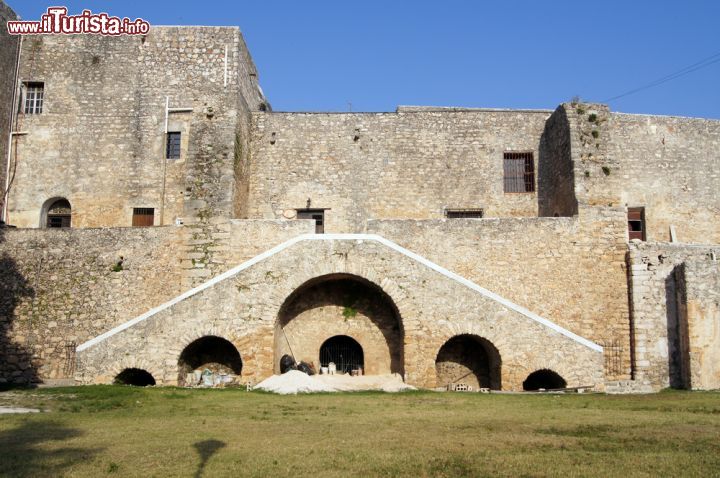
pixel 59 214
pixel 518 172
pixel 34 93
pixel 69 368
pixel 463 213
pixel 143 216
pixel 612 350
pixel 173 146
pixel 344 351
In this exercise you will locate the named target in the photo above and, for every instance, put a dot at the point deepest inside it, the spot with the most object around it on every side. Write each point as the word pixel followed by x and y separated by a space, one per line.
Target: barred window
pixel 173 146
pixel 143 216
pixel 519 172
pixel 463 213
pixel 34 93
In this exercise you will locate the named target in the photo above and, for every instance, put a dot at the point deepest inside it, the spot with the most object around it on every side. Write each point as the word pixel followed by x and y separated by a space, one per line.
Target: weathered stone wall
pixel 244 309
pixel 412 164
pixel 671 166
pixel 58 287
pixel 659 281
pixel 569 270
pixel 700 307
pixel 8 66
pixel 556 175
pixel 62 287
pixel 100 140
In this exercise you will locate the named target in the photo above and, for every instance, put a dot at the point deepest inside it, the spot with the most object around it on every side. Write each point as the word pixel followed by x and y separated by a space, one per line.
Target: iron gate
pixel 344 351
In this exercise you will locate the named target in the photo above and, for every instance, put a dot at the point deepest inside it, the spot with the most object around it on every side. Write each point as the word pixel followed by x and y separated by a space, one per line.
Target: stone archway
pixel 134 376
pixel 468 359
pixel 341 305
pixel 209 352
pixel 544 379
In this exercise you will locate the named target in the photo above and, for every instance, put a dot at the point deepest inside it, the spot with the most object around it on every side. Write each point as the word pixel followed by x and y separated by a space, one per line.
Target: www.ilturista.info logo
pixel 56 20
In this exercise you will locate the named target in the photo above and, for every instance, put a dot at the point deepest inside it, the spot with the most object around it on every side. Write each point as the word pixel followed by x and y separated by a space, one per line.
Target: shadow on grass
pixel 30 449
pixel 206 449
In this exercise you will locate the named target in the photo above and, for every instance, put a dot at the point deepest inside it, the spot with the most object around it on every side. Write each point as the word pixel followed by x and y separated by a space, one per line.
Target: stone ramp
pixel 435 305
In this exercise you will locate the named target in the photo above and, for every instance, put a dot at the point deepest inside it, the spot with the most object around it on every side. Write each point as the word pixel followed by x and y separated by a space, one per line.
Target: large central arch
pixel 341 305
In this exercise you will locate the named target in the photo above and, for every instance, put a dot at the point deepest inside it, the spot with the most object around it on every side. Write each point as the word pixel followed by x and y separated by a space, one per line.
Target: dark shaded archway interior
pixel 344 352
pixel 214 353
pixel 543 379
pixel 470 360
pixel 356 296
pixel 56 212
pixel 135 376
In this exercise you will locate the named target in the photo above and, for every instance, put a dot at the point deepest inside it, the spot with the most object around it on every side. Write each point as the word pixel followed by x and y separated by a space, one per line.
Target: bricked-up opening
pixel 470 360
pixel 210 352
pixel 518 172
pixel 134 376
pixel 318 215
pixel 475 213
pixel 172 148
pixel 636 223
pixel 543 379
pixel 143 216
pixel 341 305
pixel 345 352
pixel 33 96
pixel 57 212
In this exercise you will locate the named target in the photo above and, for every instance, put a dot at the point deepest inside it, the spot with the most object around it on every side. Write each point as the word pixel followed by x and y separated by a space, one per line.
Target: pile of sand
pixel 294 382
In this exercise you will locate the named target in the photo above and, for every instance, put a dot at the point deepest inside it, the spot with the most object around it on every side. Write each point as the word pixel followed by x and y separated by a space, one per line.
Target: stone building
pixel 167 220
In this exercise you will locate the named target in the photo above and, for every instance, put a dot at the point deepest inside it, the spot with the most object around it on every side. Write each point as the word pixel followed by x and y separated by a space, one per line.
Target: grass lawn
pixel 124 431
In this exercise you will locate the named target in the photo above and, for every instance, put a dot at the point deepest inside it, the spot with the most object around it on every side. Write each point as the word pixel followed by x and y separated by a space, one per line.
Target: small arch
pixel 468 359
pixel 56 212
pixel 344 351
pixel 543 379
pixel 209 352
pixel 134 376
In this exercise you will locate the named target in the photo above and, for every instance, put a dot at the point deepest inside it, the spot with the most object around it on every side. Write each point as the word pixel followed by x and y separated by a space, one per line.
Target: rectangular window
pixel 143 216
pixel 519 172
pixel 317 214
pixel 636 223
pixel 34 93
pixel 463 213
pixel 172 151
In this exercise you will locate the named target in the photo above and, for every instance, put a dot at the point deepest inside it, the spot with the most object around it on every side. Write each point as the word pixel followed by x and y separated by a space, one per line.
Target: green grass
pixel 123 431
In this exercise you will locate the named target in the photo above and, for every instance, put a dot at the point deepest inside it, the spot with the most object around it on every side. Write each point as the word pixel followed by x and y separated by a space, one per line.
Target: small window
pixel 34 94
pixel 519 172
pixel 172 150
pixel 59 214
pixel 143 216
pixel 636 223
pixel 463 213
pixel 317 214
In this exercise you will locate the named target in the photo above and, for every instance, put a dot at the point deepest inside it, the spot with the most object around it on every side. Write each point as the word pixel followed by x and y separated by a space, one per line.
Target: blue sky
pixel 374 55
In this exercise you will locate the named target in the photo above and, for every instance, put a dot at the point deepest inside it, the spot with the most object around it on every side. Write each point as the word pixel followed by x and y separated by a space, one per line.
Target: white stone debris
pixel 8 410
pixel 294 382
